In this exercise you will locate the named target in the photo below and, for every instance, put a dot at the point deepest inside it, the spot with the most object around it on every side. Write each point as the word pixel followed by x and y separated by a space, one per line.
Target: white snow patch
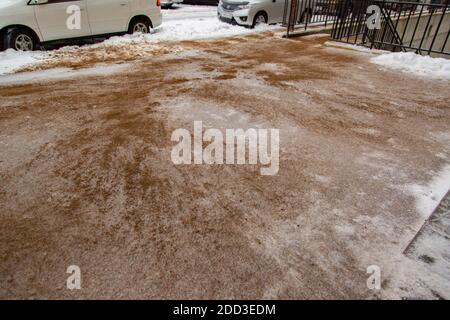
pixel 62 73
pixel 368 131
pixel 426 66
pixel 345 230
pixel 273 67
pixel 429 196
pixel 187 29
pixel 11 60
pixel 354 47
pixel 322 179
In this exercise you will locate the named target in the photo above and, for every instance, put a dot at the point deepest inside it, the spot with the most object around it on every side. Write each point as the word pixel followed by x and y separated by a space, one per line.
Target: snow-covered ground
pixel 408 62
pixel 356 182
pixel 191 22
pixel 429 196
pixel 11 60
pixel 183 22
pixel 435 68
pixel 178 28
pixel 62 74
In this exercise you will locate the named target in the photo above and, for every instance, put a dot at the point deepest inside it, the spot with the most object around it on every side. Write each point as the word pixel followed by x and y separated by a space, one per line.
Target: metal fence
pixel 419 26
pixel 303 13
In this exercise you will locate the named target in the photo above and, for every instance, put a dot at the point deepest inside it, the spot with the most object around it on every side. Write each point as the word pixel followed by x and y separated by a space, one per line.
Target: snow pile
pixel 11 60
pixel 187 29
pixel 434 68
pixel 63 74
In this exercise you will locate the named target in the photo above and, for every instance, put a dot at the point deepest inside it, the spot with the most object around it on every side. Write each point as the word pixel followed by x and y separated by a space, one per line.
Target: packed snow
pixel 11 60
pixel 184 22
pixel 63 74
pixel 187 29
pixel 189 22
pixel 426 66
pixel 429 196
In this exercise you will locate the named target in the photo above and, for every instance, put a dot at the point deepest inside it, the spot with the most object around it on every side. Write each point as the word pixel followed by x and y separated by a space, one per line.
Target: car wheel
pixel 139 25
pixel 2 41
pixel 20 40
pixel 260 18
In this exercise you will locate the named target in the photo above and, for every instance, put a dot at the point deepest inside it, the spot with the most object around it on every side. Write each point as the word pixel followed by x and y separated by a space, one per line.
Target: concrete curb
pixel 307 32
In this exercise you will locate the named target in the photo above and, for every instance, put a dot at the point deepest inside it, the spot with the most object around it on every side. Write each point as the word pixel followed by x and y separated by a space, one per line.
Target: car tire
pixel 167 6
pixel 139 25
pixel 260 17
pixel 2 41
pixel 19 40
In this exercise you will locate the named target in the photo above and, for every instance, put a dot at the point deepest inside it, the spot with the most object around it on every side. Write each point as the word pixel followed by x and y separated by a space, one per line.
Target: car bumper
pixel 157 19
pixel 240 17
pixel 227 20
pixel 167 2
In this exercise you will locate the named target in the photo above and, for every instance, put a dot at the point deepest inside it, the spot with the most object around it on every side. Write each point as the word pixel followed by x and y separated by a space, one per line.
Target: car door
pixel 108 16
pixel 274 9
pixel 62 19
pixel 278 11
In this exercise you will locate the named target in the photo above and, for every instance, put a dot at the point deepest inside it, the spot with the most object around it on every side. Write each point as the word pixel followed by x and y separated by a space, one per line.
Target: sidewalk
pixel 87 177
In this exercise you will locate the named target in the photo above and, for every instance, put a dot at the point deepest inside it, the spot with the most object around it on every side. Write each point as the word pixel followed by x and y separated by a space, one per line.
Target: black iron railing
pixel 419 26
pixel 304 13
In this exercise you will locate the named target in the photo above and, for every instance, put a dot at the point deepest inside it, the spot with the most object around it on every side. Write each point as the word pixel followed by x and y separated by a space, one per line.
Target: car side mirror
pixel 37 2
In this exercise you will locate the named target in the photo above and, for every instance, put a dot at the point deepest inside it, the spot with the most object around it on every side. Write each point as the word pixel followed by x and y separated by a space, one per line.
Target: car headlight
pixel 244 5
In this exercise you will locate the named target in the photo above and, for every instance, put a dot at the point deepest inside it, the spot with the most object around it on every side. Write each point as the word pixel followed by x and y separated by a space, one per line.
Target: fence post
pixel 292 16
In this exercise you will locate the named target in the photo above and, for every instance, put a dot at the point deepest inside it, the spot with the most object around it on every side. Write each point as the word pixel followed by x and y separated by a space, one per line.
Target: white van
pixel 24 24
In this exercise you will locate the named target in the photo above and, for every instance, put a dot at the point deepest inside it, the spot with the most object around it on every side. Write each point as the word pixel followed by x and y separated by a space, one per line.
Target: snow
pixel 432 244
pixel 11 60
pixel 429 196
pixel 354 47
pixel 184 22
pixel 63 73
pixel 187 29
pixel 426 66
